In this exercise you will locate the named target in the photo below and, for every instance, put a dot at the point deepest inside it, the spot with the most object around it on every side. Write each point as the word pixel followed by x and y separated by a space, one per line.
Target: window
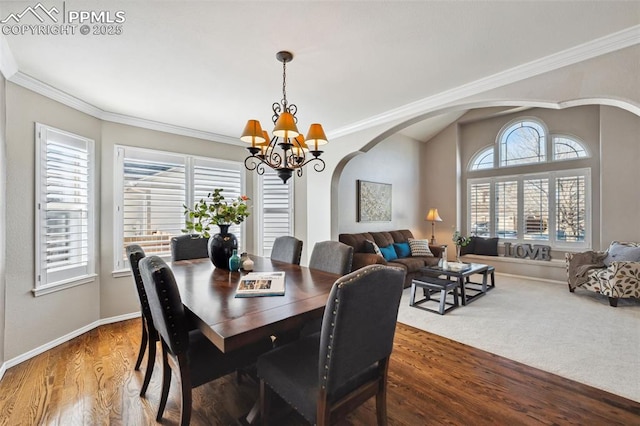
pixel 65 205
pixel 530 207
pixel 547 205
pixel 522 143
pixel 151 189
pixel 276 208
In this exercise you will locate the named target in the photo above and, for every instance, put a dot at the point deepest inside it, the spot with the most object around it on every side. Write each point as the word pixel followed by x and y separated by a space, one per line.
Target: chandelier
pixel 287 151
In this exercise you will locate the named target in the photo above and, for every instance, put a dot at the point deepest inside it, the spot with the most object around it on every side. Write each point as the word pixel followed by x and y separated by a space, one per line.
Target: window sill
pixel 121 273
pixel 553 263
pixel 63 285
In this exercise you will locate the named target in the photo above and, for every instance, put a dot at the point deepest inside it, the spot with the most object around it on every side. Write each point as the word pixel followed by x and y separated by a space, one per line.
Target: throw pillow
pixel 372 247
pixel 389 253
pixel 419 247
pixel 469 248
pixel 402 249
pixel 486 246
pixel 622 253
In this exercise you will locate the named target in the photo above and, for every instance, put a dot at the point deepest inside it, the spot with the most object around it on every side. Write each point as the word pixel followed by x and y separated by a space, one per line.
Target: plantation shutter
pixel 211 174
pixel 277 210
pixel 480 209
pixel 65 204
pixel 153 198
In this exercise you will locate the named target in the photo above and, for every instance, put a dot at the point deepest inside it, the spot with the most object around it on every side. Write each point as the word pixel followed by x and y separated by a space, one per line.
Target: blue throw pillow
pixel 389 253
pixel 402 249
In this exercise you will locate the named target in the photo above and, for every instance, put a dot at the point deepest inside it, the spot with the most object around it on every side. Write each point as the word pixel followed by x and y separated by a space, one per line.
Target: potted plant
pixel 216 210
pixel 460 241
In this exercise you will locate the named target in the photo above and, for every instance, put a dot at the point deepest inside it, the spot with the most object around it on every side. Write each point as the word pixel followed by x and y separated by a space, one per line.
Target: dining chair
pixel 332 256
pixel 149 339
pixel 188 246
pixel 195 359
pixel 327 374
pixel 287 249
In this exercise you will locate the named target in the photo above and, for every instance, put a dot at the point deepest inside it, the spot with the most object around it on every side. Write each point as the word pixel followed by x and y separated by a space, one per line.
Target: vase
pixel 234 261
pixel 458 248
pixel 221 247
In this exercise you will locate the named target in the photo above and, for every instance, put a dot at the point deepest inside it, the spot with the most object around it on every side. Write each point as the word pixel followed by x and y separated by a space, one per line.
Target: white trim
pixel 64 98
pixel 607 44
pixel 52 344
pixel 63 285
pixel 553 263
pixel 3 369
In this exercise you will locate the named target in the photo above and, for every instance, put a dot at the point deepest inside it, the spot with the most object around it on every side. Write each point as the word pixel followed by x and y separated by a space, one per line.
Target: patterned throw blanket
pixel 581 264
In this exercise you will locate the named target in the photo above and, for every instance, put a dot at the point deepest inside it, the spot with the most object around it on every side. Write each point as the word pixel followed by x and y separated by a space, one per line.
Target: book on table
pixel 256 284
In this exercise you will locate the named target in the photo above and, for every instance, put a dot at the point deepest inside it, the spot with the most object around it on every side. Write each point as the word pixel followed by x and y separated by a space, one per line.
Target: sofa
pixel 364 254
pixel 614 273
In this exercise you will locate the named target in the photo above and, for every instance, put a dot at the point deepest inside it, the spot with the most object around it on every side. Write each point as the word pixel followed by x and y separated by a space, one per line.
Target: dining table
pixel 209 296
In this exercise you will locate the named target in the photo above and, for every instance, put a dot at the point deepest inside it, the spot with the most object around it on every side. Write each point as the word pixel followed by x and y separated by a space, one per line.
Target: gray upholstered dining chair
pixel 324 374
pixel 188 246
pixel 149 339
pixel 332 256
pixel 195 359
pixel 287 249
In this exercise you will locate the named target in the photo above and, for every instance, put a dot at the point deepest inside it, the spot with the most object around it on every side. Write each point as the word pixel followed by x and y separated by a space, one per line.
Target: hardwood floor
pixel 432 381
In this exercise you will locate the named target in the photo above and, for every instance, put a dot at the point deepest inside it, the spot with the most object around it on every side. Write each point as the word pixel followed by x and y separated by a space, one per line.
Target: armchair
pixel 614 273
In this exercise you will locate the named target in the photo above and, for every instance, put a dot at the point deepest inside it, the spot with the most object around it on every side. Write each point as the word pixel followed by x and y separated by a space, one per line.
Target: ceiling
pixel 210 66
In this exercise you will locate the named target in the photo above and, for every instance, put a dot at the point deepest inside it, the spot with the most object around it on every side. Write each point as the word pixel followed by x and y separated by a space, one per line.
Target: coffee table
pixel 469 290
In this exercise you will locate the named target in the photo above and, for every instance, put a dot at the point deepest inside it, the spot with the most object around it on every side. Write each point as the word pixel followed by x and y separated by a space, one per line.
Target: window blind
pixel 64 206
pixel 153 197
pixel 277 210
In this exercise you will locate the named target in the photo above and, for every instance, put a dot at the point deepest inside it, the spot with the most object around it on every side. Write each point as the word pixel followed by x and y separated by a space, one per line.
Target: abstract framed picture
pixel 374 201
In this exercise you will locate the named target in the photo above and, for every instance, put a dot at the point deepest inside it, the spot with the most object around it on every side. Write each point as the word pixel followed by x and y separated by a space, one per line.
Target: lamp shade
pixel 433 216
pixel 286 126
pixel 252 133
pixel 316 135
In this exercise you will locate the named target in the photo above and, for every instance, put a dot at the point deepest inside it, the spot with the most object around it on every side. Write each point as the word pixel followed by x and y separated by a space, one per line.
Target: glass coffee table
pixel 469 290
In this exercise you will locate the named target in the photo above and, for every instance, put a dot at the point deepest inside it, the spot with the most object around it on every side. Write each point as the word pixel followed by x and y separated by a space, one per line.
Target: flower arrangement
pixel 215 210
pixel 459 239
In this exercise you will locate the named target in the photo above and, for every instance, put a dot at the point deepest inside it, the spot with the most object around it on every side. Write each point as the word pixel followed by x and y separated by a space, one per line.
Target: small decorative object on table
pixel 247 263
pixel 215 210
pixel 234 261
pixel 460 242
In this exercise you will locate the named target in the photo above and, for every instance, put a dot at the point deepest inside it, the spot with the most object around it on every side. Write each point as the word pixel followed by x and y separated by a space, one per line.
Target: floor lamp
pixel 433 217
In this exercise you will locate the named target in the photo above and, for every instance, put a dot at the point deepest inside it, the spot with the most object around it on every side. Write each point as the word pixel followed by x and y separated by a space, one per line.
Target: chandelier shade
pixel 287 151
pixel 253 133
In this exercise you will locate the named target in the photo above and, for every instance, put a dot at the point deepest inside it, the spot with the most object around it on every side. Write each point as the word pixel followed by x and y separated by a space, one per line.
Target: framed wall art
pixel 374 201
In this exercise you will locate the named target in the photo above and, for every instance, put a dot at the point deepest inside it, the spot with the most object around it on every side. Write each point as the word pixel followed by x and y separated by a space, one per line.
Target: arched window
pixel 522 143
pixel 483 159
pixel 547 203
pixel 567 148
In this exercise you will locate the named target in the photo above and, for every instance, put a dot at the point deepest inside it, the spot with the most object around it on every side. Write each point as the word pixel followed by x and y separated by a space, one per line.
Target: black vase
pixel 221 247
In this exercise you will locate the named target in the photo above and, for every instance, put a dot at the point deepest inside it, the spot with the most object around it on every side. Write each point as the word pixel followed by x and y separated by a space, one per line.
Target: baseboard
pixel 37 351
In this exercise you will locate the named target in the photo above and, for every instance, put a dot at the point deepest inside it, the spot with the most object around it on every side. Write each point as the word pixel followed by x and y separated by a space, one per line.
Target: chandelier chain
pixel 284 84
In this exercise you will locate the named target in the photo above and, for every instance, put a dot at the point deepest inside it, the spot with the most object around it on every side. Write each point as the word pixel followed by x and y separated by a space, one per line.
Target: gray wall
pixel 395 161
pixel 3 202
pixel 33 321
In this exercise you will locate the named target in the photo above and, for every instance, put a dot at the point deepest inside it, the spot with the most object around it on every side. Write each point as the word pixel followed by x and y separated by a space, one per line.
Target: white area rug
pixel 540 324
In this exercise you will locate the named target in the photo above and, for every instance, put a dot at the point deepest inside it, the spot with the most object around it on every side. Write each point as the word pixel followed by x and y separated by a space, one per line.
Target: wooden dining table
pixel 208 294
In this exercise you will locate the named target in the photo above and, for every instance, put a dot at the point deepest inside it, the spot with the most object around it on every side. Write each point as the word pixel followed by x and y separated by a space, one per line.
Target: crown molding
pixel 64 98
pixel 607 44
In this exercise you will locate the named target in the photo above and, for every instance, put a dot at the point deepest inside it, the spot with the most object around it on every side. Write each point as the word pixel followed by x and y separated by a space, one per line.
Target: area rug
pixel 574 335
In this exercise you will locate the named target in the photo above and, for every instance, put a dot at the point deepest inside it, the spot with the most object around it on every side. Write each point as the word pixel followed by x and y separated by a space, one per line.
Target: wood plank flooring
pixel 432 381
